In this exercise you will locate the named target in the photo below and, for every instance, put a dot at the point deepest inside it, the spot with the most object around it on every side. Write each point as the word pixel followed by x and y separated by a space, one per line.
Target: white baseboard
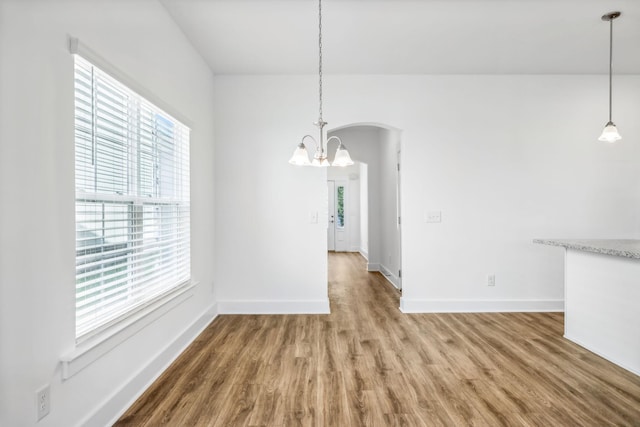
pixel 373 266
pixel 117 403
pixel 605 355
pixel 274 307
pixel 392 278
pixel 354 249
pixel 364 254
pixel 478 306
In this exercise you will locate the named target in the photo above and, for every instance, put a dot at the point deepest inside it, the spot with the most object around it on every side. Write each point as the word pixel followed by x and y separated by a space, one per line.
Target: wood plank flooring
pixel 367 364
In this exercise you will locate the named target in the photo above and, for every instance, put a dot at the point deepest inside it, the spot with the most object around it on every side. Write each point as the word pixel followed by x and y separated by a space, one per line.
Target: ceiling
pixel 411 36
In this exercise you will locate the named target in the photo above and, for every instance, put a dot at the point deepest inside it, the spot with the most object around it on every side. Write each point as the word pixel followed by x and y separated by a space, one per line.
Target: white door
pixel 340 226
pixel 331 187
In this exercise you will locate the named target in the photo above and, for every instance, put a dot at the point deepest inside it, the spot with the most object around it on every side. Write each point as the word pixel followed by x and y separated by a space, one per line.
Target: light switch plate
pixel 433 216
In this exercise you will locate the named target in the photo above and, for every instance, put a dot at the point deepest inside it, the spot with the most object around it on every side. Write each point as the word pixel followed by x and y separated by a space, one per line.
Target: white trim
pixel 87 352
pixel 112 408
pixel 603 354
pixel 373 266
pixel 76 47
pixel 478 306
pixel 564 285
pixel 274 307
pixel 391 278
pixel 371 124
pixel 364 253
pixel 354 249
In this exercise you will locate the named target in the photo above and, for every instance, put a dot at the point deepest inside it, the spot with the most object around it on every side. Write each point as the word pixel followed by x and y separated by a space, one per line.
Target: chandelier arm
pixel 334 137
pixel 315 143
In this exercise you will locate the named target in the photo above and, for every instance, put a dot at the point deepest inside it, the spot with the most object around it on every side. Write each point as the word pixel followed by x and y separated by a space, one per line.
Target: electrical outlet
pixel 491 280
pixel 43 400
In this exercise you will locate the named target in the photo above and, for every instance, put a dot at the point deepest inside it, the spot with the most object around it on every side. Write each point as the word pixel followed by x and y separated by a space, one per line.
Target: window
pixel 132 201
pixel 340 194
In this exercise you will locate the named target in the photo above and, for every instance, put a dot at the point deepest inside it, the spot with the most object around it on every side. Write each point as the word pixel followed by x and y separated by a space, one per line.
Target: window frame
pixel 139 315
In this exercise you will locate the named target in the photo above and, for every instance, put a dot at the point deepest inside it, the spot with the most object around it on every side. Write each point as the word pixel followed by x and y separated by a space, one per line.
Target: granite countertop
pixel 628 248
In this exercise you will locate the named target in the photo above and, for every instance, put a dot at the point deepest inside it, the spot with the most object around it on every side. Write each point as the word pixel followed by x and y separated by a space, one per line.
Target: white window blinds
pixel 132 200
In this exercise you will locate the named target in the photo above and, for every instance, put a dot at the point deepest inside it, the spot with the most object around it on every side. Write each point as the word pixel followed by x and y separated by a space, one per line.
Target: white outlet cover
pixel 491 280
pixel 43 401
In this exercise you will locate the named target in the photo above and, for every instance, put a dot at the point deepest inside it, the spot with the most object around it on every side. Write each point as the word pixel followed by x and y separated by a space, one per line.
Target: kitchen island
pixel 602 297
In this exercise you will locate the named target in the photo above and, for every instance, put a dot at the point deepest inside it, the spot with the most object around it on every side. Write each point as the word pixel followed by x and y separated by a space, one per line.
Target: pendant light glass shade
pixel 300 156
pixel 342 157
pixel 610 133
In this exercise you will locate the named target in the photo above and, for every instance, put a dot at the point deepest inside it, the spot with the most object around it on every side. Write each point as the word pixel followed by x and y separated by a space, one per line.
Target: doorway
pixel 364 202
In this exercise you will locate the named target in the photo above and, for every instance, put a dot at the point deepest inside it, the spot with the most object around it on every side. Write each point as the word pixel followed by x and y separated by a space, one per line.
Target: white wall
pixel 37 245
pixel 389 230
pixel 270 257
pixel 602 306
pixel 364 210
pixel 505 158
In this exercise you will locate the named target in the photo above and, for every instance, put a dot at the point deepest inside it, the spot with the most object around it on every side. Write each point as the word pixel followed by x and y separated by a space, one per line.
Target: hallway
pixel 367 364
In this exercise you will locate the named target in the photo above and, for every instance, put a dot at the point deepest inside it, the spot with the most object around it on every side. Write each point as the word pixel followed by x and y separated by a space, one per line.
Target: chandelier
pixel 300 156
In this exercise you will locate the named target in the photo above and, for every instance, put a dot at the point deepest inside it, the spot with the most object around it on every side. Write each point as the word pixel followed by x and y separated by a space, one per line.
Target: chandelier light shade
pixel 342 156
pixel 300 155
pixel 610 132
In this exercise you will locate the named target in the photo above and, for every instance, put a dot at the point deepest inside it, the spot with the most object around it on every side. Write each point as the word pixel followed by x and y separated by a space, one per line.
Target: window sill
pixel 87 352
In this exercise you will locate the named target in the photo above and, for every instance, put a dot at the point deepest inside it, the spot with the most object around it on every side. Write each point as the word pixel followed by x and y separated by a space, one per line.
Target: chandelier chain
pixel 300 155
pixel 320 54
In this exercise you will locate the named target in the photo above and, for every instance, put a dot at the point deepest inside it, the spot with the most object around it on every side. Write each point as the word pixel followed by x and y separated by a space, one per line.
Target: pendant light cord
pixel 610 65
pixel 320 54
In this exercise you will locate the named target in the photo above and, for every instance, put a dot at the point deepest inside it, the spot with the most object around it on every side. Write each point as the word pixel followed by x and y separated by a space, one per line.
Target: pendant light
pixel 610 132
pixel 300 156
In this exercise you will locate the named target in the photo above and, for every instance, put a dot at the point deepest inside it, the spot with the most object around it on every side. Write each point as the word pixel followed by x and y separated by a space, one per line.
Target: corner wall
pixel 271 256
pixel 37 245
pixel 389 228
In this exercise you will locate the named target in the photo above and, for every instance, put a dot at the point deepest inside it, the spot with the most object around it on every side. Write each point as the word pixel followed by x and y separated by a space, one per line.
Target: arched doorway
pixel 364 199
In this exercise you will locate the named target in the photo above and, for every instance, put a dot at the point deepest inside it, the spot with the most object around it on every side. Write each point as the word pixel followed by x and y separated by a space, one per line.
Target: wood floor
pixel 367 364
